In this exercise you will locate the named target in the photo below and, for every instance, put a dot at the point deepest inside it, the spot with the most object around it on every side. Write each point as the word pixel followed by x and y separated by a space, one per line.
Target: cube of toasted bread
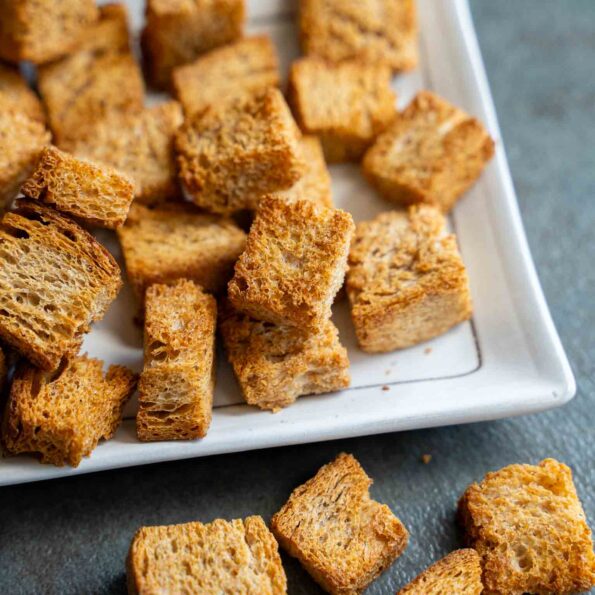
pixel 229 157
pixel 432 152
pixel 372 31
pixel 21 142
pixel 178 31
pixel 43 30
pixel 406 280
pixel 238 556
pixel 176 386
pixel 95 194
pixel 347 105
pixel 63 416
pixel 529 528
pixel 140 146
pixel 55 280
pixel 174 241
pixel 294 263
pixel 459 573
pixel 16 95
pixel 247 67
pixel 342 537
pixel 274 365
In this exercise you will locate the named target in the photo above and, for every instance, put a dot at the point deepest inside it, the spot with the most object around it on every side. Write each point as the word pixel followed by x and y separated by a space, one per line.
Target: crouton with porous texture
pixel 239 556
pixel 529 528
pixel 294 263
pixel 62 416
pixel 347 105
pixel 92 193
pixel 406 280
pixel 16 95
pixel 55 280
pixel 432 153
pixel 342 537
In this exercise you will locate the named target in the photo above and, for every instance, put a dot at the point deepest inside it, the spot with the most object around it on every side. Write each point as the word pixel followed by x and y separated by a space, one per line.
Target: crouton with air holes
pixel 247 67
pixel 178 31
pixel 431 153
pixel 91 193
pixel 274 365
pixel 342 537
pixel 459 573
pixel 406 281
pixel 63 416
pixel 372 31
pixel 16 95
pixel 230 157
pixel 529 528
pixel 176 386
pixel 178 241
pixel 294 263
pixel 238 556
pixel 347 105
pixel 55 280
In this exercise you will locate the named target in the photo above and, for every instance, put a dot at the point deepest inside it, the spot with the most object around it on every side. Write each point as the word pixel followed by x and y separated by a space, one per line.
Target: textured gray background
pixel 71 536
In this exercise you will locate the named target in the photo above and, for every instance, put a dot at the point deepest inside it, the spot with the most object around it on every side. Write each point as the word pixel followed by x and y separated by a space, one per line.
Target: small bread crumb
pixel 426 459
pixel 386 387
pixel 428 350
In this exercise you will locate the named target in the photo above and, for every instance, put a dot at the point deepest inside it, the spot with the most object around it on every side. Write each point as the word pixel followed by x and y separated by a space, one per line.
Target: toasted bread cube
pixel 342 537
pixel 63 416
pixel 294 263
pixel 347 105
pixel 458 573
pixel 176 387
pixel 43 30
pixel 432 153
pixel 244 68
pixel 95 194
pixel 55 280
pixel 238 556
pixel 16 95
pixel 529 528
pixel 178 31
pixel 140 146
pixel 230 157
pixel 177 241
pixel 21 142
pixel 372 31
pixel 406 280
pixel 274 365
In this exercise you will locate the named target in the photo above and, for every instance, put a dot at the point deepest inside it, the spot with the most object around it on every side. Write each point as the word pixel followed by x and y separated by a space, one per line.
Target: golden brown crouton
pixel 432 153
pixel 239 556
pixel 343 538
pixel 247 67
pixel 347 105
pixel 43 30
pixel 92 193
pixel 459 573
pixel 406 280
pixel 176 386
pixel 294 263
pixel 16 95
pixel 373 31
pixel 230 157
pixel 63 416
pixel 529 528
pixel 55 280
pixel 276 364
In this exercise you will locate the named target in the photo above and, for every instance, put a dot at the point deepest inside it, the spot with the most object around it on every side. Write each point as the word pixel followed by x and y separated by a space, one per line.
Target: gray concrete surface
pixel 71 536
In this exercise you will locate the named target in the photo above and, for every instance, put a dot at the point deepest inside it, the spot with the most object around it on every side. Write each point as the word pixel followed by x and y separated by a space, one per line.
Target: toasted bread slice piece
pixel 529 528
pixel 342 537
pixel 95 194
pixel 55 280
pixel 459 573
pixel 16 95
pixel 239 556
pixel 63 416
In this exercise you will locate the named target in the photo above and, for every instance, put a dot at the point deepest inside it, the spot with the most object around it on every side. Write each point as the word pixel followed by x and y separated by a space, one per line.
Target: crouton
pixel 406 280
pixel 342 537
pixel 16 95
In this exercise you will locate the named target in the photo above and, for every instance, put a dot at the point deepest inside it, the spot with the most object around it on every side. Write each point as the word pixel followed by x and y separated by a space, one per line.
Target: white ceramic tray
pixel 506 361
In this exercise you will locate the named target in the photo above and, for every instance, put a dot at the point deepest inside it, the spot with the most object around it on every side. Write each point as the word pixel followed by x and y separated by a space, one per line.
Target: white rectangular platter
pixel 506 361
